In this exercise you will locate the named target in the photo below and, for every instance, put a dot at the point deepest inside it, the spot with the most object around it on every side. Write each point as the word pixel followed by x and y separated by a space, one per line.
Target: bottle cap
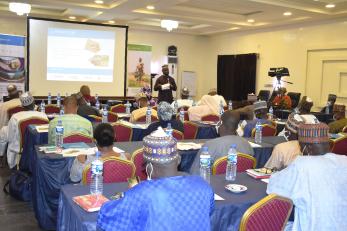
pixel 97 154
pixel 204 148
pixel 233 146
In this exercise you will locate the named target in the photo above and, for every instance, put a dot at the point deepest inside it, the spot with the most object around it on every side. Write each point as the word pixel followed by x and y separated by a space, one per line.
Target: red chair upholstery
pixel 269 214
pixel 190 130
pixel 143 118
pixel 344 130
pixel 186 116
pixel 210 117
pixel 77 137
pixel 112 117
pixel 14 110
pixel 339 146
pixel 123 132
pixel 244 162
pixel 267 130
pixel 115 170
pixel 25 123
pixel 119 108
pixel 94 118
pixel 137 159
pixel 51 109
pixel 185 108
pixel 178 135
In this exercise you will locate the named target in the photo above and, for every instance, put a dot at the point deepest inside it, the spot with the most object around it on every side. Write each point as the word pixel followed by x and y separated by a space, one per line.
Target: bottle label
pixel 97 167
pixel 59 130
pixel 232 158
pixel 205 160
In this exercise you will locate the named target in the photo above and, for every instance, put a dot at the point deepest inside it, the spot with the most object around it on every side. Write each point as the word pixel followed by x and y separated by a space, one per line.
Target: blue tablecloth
pixel 226 215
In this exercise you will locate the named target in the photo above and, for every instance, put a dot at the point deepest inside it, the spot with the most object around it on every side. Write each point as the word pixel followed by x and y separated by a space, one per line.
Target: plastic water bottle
pixel 42 106
pixel 104 115
pixel 58 100
pixel 49 98
pixel 96 183
pixel 271 113
pixel 127 107
pixel 169 130
pixel 175 107
pixel 97 104
pixel 61 112
pixel 221 108
pixel 327 108
pixel 182 115
pixel 230 174
pixel 230 105
pixel 88 103
pixel 149 115
pixel 258 133
pixel 59 133
pixel 96 97
pixel 205 164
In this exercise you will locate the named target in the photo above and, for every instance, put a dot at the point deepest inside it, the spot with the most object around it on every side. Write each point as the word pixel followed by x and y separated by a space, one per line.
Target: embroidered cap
pixel 26 99
pixel 294 121
pixel 185 91
pixel 313 133
pixel 165 111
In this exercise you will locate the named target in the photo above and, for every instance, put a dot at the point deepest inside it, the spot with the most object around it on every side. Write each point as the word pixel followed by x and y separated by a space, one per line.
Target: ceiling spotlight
pixel 111 21
pixel 251 20
pixel 72 17
pixel 150 7
pixel 287 13
pixel 99 2
pixel 19 8
pixel 330 5
pixel 169 24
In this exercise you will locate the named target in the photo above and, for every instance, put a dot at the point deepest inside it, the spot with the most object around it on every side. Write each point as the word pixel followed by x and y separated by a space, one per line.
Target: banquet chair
pixel 137 159
pixel 14 110
pixel 186 116
pixel 295 98
pixel 143 118
pixel 112 117
pixel 210 117
pixel 51 109
pixel 94 118
pixel 76 137
pixel 119 108
pixel 190 130
pixel 268 130
pixel 244 162
pixel 115 170
pixel 269 214
pixel 122 132
pixel 178 135
pixel 344 130
pixel 339 145
pixel 264 95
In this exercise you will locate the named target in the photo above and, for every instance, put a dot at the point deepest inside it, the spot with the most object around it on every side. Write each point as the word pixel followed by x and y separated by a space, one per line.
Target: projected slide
pixel 80 55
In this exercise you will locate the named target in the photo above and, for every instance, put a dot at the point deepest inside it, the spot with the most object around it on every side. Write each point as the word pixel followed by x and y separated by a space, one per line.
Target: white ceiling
pixel 201 17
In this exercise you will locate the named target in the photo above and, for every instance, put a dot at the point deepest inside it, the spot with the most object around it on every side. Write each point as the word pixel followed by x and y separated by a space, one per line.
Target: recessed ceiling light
pixel 287 13
pixel 250 20
pixel 111 21
pixel 150 7
pixel 72 17
pixel 330 5
pixel 99 2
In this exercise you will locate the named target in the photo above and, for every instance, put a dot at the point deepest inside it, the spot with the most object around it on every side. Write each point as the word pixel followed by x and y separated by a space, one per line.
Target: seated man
pixel 14 102
pixel 142 102
pixel 220 146
pixel 285 153
pixel 184 101
pixel 12 93
pixel 282 100
pixel 316 182
pixel 11 134
pixel 260 111
pixel 340 119
pixel 71 121
pixel 84 109
pixel 85 92
pixel 165 113
pixel 104 137
pixel 218 98
pixel 166 203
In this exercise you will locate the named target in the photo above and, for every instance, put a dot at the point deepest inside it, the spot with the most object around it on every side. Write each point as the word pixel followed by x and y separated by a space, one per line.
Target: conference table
pixel 226 215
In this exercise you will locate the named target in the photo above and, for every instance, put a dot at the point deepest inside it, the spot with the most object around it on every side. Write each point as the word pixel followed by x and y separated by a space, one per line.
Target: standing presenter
pixel 165 84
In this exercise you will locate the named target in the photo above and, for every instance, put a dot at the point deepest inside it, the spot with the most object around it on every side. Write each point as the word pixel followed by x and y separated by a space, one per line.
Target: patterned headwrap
pixel 313 133
pixel 26 99
pixel 165 111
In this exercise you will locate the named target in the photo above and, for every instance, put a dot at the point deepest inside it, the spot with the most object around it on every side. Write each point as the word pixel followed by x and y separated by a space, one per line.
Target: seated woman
pixel 207 105
pixel 104 136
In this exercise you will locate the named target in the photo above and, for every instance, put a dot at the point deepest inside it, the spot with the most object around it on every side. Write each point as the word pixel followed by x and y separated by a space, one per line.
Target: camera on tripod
pixel 278 72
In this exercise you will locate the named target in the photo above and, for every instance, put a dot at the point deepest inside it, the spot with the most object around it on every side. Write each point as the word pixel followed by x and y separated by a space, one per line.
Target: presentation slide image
pixel 80 55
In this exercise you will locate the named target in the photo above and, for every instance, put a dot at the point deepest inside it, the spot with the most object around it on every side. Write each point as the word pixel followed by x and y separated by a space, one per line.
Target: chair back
pixel 269 214
pixel 210 117
pixel 267 130
pixel 344 130
pixel 137 159
pixel 339 145
pixel 178 135
pixel 264 95
pixel 119 108
pixel 185 108
pixel 186 116
pixel 51 109
pixel 295 98
pixel 76 137
pixel 122 132
pixel 244 162
pixel 94 118
pixel 25 123
pixel 190 130
pixel 112 117
pixel 115 170
pixel 143 119
pixel 14 110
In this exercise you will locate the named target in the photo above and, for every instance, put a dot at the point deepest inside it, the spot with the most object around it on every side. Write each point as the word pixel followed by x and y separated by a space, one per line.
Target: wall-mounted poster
pixel 139 68
pixel 12 63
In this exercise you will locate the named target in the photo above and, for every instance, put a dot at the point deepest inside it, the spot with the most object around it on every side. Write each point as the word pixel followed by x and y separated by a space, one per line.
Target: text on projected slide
pixel 80 55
